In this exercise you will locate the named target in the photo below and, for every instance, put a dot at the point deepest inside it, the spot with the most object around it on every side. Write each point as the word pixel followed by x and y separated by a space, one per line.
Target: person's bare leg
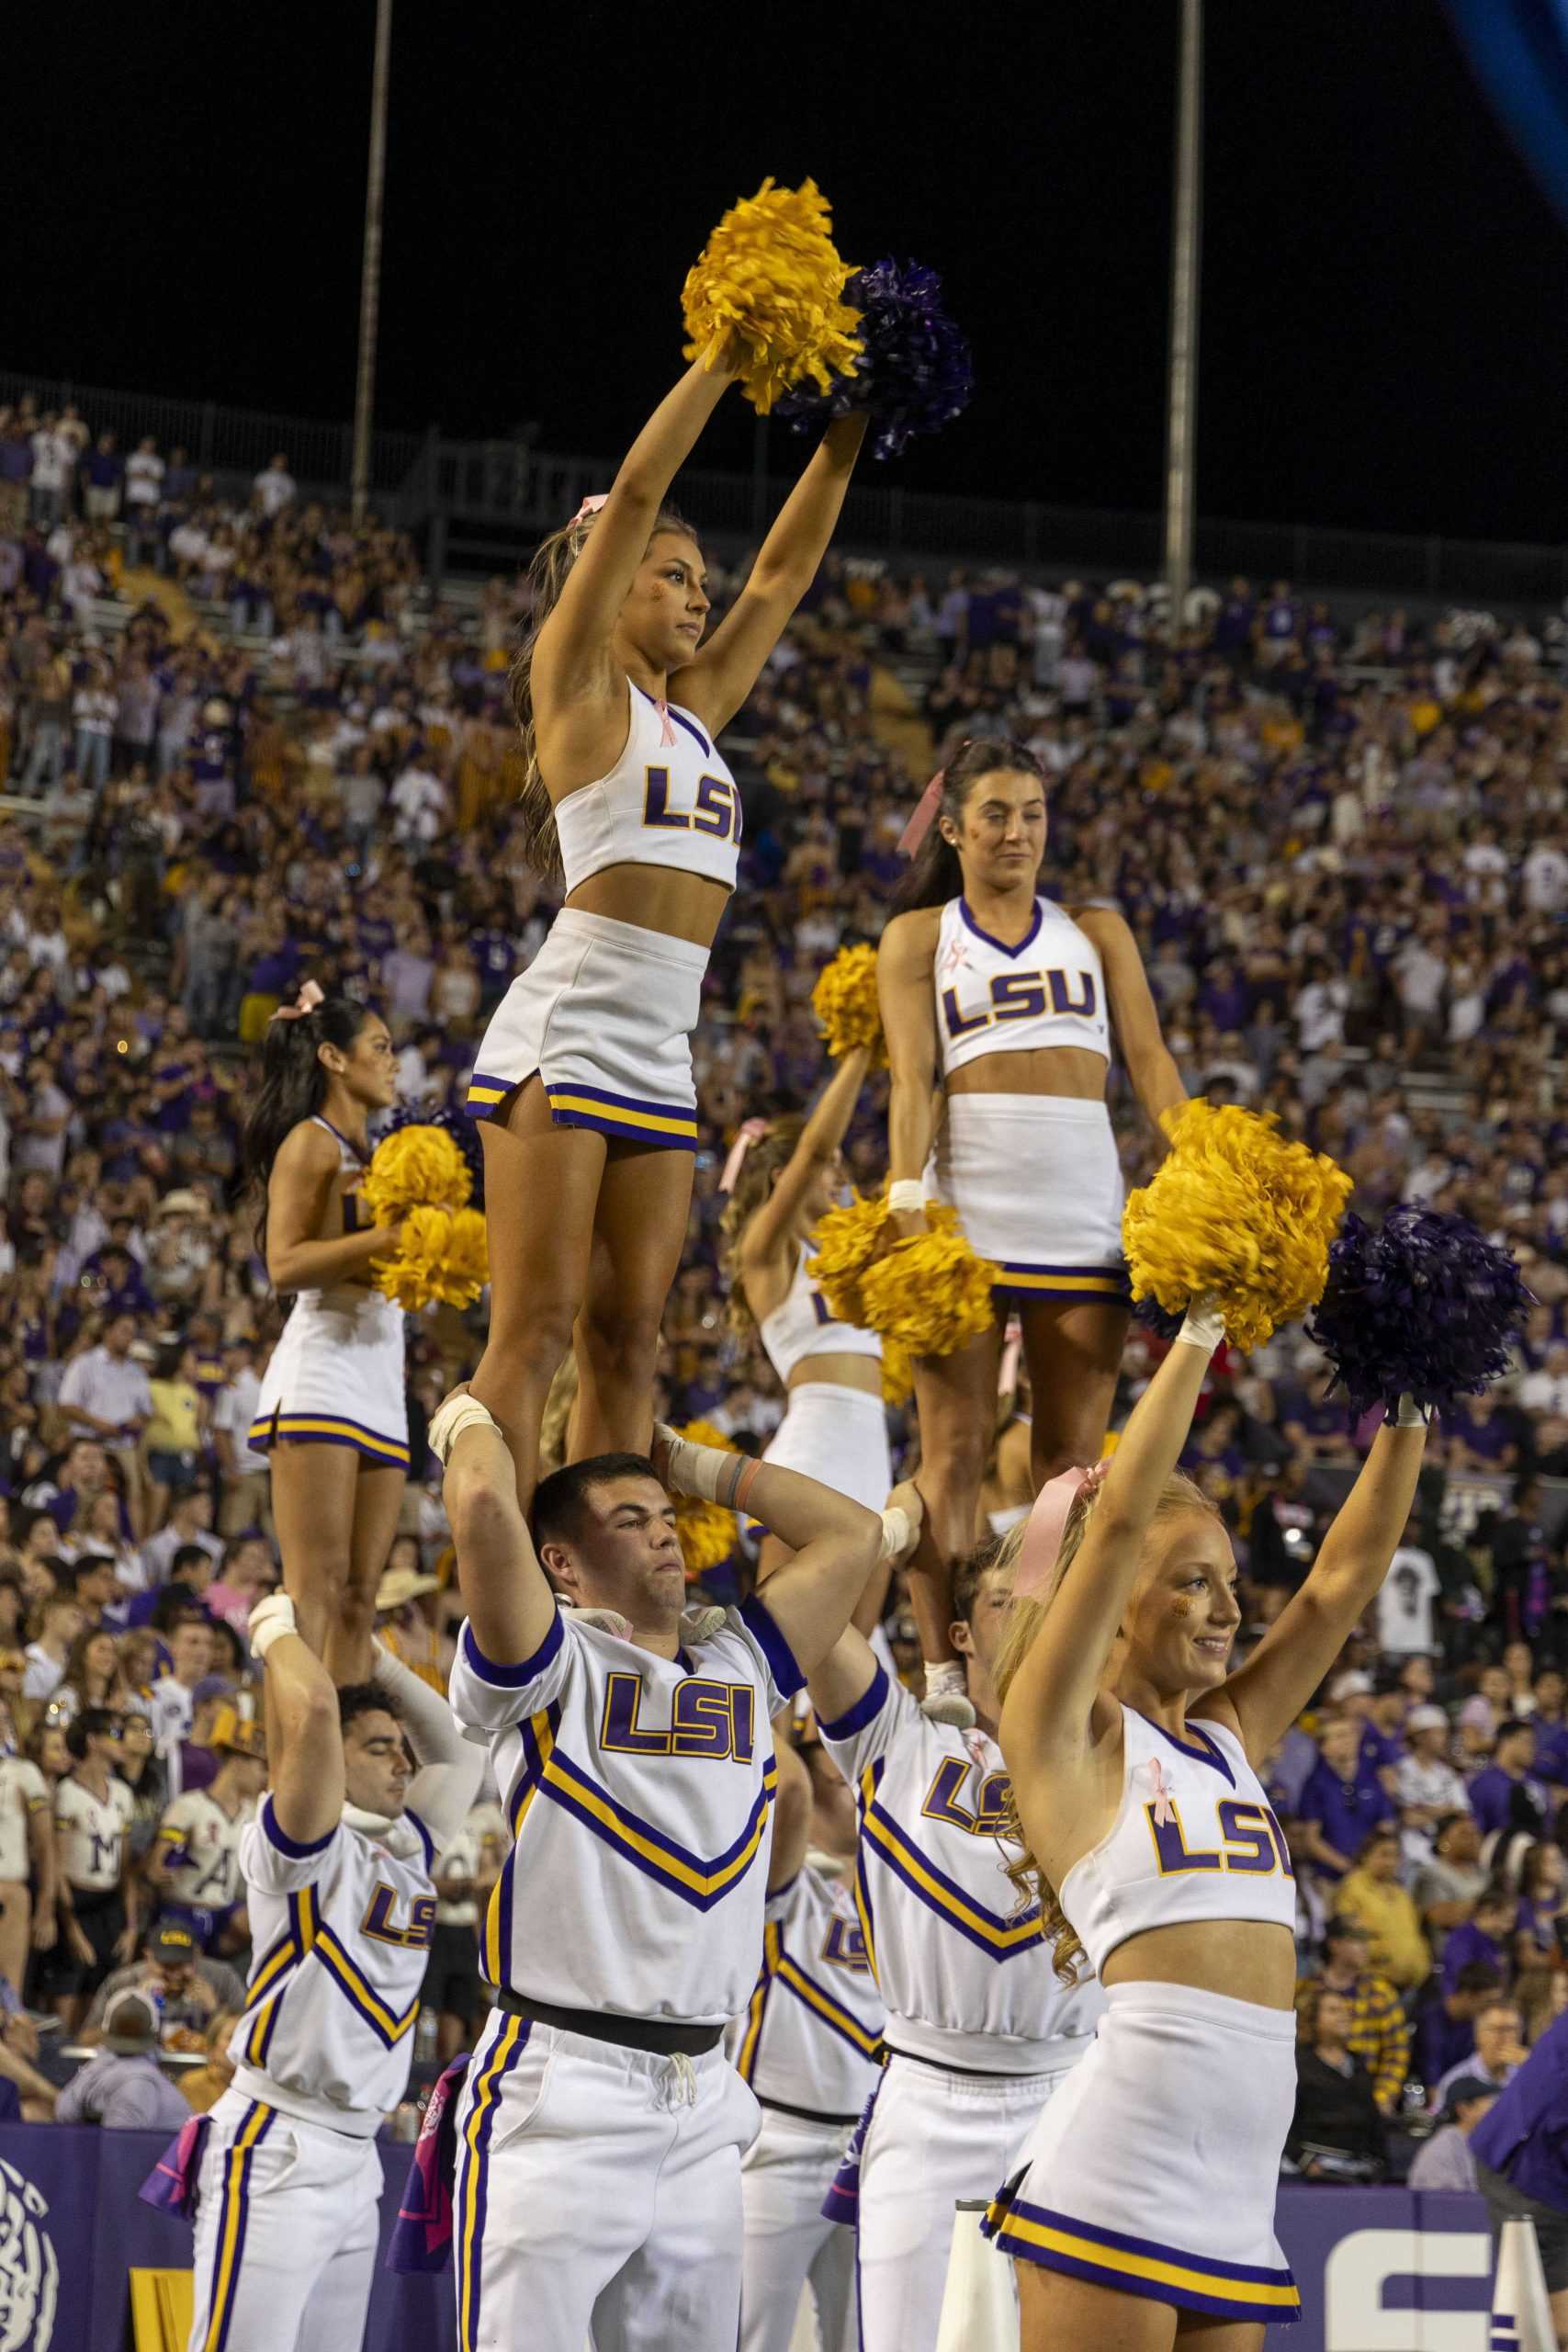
pixel 956 1400
pixel 645 1202
pixel 315 1490
pixel 1074 1354
pixel 379 1500
pixel 1061 2314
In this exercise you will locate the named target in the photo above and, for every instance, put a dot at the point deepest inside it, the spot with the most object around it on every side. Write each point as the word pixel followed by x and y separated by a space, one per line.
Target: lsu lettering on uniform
pixel 198 1845
pixel 606 1010
pixel 834 1434
pixel 290 2179
pixel 980 2032
pixel 337 1374
pixel 1155 2170
pixel 810 2046
pixel 601 2127
pixel 1034 1177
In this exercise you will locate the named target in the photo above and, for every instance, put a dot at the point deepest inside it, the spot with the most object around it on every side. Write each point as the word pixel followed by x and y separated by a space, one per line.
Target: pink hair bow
pixel 590 505
pixel 1042 1533
pixel 752 1131
pixel 310 995
pixel 924 817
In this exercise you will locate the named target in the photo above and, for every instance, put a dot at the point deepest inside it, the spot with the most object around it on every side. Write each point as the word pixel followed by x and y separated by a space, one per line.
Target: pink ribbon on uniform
pixel 1164 1811
pixel 924 817
pixel 590 505
pixel 751 1132
pixel 1012 1347
pixel 310 995
pixel 1044 1529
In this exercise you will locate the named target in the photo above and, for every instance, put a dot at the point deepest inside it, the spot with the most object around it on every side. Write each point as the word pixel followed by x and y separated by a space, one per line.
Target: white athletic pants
pixel 934 2138
pixel 783 2178
pixel 287 2223
pixel 598 2189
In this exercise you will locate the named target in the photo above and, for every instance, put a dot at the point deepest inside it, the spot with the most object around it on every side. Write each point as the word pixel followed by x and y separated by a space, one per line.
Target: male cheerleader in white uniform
pixel 600 2129
pixel 810 2046
pixel 979 2031
pixel 342 1905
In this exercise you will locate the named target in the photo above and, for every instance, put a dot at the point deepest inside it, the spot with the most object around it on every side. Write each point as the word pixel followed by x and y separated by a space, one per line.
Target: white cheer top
pixel 811 2036
pixel 800 1326
pixel 668 800
pixel 991 998
pixel 1195 1837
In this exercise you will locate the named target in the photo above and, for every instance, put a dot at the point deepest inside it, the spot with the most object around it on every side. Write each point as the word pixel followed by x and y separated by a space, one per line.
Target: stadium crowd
pixel 245 747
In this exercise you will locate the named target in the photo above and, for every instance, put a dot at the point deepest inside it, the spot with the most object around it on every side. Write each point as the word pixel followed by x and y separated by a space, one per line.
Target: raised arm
pixel 507 1594
pixel 820 1139
pixel 1269 1692
pixel 1045 1717
pixel 450 1767
pixel 906 961
pixel 571 658
pixel 299 1195
pixel 304 1731
pixel 1156 1079
pixel 792 1810
pixel 717 682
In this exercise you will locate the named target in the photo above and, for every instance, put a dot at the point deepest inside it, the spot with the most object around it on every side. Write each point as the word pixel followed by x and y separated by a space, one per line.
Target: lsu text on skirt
pixel 604 1014
pixel 1037 1186
pixel 336 1376
pixel 1155 2169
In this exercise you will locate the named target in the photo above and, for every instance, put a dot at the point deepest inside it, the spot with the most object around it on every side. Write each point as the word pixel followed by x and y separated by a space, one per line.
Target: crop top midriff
pixel 668 800
pixel 800 1326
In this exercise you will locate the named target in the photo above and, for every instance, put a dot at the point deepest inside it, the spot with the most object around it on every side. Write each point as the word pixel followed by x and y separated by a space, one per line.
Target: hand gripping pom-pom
pixel 915 374
pixel 416 1167
pixel 708 1533
pixel 1425 1307
pixel 442 1258
pixel 770 277
pixel 464 1132
pixel 1235 1212
pixel 845 1002
pixel 930 1292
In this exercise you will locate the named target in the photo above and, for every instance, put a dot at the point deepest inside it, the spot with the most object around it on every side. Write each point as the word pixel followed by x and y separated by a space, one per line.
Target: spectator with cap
pixel 1426 1785
pixel 1505 1797
pixel 194 1868
pixel 401 1624
pixel 122 2086
pixel 1379 2033
pixel 182 1986
pixel 1447 2160
pixel 1339 1804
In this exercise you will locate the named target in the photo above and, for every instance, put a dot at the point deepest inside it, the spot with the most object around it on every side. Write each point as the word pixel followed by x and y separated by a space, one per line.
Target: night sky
pixel 1385 294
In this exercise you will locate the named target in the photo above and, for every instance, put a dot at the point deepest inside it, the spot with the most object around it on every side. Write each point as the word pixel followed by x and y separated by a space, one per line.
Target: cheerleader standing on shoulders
pixel 1146 2204
pixel 331 1414
pixel 1007 1001
pixel 835 1427
pixel 584 1076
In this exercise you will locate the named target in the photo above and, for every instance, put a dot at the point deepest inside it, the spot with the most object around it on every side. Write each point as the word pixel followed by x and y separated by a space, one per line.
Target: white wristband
pixel 899 1532
pixel 1205 1327
pixel 702 1470
pixel 1410 1415
pixel 269 1621
pixel 907 1197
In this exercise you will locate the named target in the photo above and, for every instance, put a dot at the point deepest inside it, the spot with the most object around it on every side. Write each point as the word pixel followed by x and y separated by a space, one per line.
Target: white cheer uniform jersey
pixel 199 1845
pixel 1049 990
pixel 341 1931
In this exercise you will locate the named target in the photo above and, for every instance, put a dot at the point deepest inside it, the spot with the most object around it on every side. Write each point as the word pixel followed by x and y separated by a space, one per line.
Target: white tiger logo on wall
pixel 29 2275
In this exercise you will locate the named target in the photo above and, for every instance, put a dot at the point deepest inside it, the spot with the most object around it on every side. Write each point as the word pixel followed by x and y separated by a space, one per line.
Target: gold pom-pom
pixel 845 1002
pixel 1237 1212
pixel 771 276
pixel 897 1371
pixel 708 1533
pixel 929 1294
pixel 442 1258
pixel 415 1168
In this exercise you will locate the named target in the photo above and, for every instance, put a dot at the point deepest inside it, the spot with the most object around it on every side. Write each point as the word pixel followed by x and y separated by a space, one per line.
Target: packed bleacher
pixel 246 746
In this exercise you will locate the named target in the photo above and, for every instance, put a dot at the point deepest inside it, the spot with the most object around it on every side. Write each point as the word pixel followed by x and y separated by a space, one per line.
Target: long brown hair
pixel 1025 1619
pixel 547 575
pixel 759 1172
pixel 936 875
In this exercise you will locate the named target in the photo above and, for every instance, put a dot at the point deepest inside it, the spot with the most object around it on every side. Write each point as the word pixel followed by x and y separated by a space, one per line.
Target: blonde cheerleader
pixel 781 1180
pixel 1144 2210
pixel 1007 1003
pixel 583 1078
pixel 331 1413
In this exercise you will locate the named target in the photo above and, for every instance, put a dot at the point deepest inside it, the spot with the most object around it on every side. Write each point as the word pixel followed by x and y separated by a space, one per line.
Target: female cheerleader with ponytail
pixel 584 1076
pixel 1007 1003
pixel 835 1428
pixel 331 1410
pixel 1145 2210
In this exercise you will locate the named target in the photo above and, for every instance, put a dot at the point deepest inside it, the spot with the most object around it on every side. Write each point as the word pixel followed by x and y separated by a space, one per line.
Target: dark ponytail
pixel 935 872
pixel 293 1086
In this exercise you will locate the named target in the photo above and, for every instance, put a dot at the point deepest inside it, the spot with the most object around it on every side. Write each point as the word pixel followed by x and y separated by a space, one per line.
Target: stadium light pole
pixel 370 271
pixel 1181 399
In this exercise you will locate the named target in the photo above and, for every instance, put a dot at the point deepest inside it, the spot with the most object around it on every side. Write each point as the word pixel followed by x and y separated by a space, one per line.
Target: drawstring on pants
pixel 678 2083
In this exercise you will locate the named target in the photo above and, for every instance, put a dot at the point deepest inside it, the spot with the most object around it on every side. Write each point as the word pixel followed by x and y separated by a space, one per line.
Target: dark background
pixel 1385 329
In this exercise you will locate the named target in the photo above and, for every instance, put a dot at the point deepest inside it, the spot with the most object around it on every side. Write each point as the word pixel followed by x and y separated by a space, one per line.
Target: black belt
pixel 802 2114
pixel 974 2073
pixel 627 2033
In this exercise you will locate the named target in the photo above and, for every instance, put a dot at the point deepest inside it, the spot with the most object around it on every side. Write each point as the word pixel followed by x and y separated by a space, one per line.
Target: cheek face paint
pixel 1180 1606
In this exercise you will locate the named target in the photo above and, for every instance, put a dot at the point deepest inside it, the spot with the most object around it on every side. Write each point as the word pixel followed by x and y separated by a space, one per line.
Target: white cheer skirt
pixel 336 1378
pixel 604 1015
pixel 1037 1185
pixel 1154 2170
pixel 837 1436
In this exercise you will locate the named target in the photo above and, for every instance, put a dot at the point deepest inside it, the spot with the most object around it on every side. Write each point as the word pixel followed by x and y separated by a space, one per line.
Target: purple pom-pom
pixel 1426 1308
pixel 463 1130
pixel 915 374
